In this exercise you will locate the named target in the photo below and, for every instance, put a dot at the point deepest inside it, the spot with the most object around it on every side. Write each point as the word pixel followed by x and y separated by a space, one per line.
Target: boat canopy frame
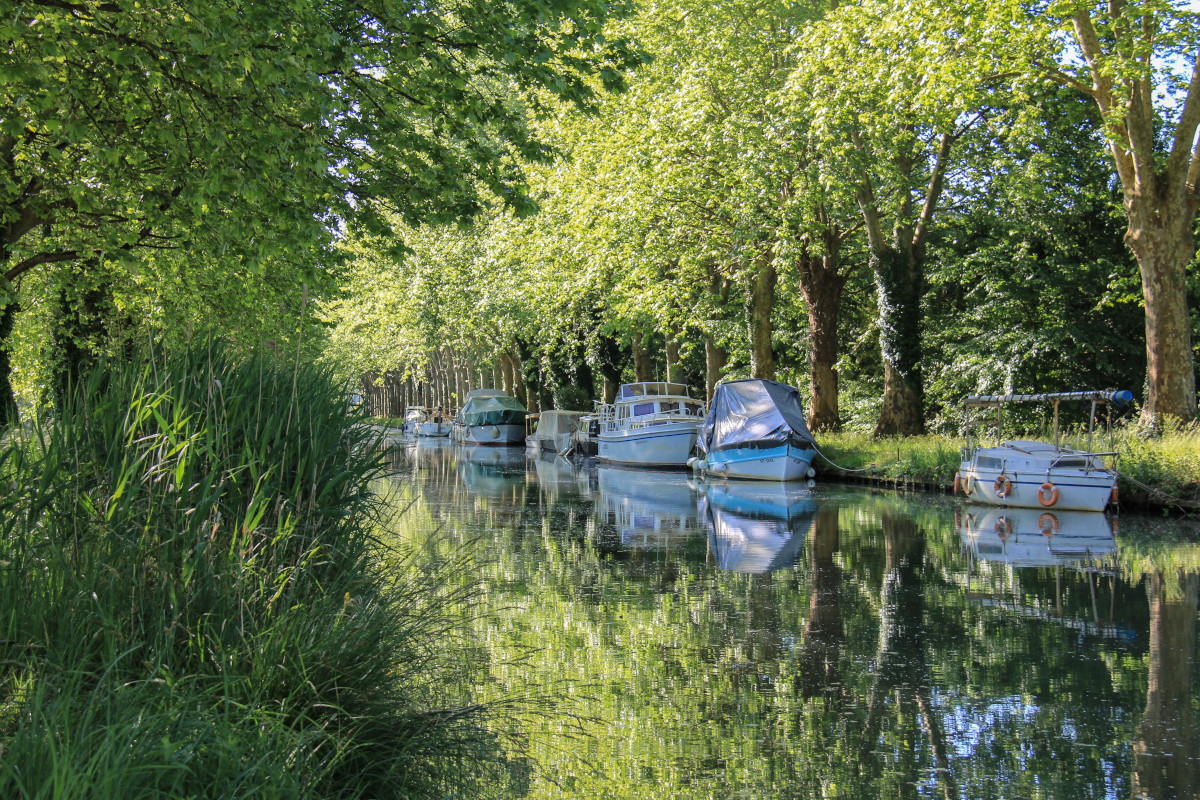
pixel 1109 398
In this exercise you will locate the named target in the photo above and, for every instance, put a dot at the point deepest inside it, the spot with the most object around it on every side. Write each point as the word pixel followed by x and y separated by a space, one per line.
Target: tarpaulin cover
pixel 492 411
pixel 754 414
pixel 553 423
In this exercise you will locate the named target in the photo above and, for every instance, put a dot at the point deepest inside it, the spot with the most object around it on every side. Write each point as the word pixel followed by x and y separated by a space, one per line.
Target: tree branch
pixel 40 258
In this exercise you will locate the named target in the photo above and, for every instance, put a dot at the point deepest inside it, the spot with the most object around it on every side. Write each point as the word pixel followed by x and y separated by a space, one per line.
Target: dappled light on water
pixel 720 639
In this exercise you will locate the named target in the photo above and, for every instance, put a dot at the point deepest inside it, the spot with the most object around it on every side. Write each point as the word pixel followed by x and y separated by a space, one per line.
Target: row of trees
pixel 166 165
pixel 826 179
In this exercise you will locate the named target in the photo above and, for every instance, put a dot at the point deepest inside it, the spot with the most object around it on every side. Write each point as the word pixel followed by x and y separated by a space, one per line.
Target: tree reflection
pixel 1165 749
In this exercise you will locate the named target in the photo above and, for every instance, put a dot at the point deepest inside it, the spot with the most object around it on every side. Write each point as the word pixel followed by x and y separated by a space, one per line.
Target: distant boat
pixel 1035 474
pixel 433 426
pixel 651 424
pixel 490 417
pixel 755 429
pixel 554 429
pixel 585 437
pixel 413 417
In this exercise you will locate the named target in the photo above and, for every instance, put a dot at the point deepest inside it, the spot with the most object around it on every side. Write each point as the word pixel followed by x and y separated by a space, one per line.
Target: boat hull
pixel 783 463
pixel 1077 490
pixel 504 435
pixel 661 445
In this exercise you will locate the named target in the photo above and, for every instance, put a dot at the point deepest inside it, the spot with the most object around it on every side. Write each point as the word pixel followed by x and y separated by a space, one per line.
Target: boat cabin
pixel 655 398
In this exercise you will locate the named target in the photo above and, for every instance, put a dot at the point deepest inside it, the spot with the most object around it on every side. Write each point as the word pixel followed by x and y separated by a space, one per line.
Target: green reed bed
pixel 929 460
pixel 193 601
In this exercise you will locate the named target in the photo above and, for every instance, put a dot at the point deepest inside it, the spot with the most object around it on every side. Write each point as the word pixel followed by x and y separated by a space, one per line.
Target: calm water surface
pixel 727 640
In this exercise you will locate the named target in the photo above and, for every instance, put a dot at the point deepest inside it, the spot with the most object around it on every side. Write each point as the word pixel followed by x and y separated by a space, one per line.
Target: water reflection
pixel 756 527
pixel 732 640
pixel 650 510
pixel 1024 537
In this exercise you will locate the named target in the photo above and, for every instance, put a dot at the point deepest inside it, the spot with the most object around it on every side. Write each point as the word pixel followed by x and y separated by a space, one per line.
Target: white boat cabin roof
pixel 638 391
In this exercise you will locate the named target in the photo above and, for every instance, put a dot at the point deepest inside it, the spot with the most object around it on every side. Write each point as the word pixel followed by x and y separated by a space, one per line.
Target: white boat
pixel 651 424
pixel 584 437
pixel 554 429
pixel 434 426
pixel 413 417
pixel 755 430
pixel 1034 474
pixel 490 417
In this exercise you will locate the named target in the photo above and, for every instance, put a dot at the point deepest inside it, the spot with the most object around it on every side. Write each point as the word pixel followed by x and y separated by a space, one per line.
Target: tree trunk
pixel 822 285
pixel 1162 242
pixel 899 281
pixel 715 358
pixel 643 365
pixel 518 376
pixel 8 404
pixel 672 352
pixel 758 314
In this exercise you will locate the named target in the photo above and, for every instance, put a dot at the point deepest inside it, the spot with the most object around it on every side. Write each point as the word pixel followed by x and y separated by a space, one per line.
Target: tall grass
pixel 192 603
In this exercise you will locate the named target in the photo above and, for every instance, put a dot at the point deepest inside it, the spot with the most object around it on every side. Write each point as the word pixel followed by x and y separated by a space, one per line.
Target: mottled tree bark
pixel 8 405
pixel 715 359
pixel 672 353
pixel 643 364
pixel 822 282
pixel 760 304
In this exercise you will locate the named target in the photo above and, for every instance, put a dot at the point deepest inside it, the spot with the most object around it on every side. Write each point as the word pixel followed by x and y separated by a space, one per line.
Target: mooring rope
pixel 832 463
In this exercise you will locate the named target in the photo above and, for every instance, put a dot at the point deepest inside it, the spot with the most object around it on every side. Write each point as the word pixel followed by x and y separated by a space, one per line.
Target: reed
pixel 193 601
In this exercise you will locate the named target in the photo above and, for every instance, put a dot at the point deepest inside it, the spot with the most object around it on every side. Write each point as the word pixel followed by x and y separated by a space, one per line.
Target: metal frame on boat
pixel 1034 474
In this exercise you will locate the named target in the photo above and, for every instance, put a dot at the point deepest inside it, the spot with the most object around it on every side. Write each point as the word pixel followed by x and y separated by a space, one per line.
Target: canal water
pixel 721 640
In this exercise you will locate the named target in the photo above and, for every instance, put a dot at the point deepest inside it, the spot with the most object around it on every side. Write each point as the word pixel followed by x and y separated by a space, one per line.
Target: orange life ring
pixel 1053 498
pixel 1114 498
pixel 957 483
pixel 967 485
pixel 1003 486
pixel 1048 524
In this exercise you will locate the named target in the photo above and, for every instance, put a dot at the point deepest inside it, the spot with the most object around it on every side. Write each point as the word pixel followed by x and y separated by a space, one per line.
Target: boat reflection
pixel 649 510
pixel 1027 537
pixel 757 527
pixel 558 477
pixel 491 471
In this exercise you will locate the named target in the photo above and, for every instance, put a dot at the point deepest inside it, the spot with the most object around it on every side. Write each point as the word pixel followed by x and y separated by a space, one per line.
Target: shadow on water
pixel 725 639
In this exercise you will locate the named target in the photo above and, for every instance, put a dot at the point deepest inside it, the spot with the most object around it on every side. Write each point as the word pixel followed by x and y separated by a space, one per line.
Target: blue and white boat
pixel 651 424
pixel 755 429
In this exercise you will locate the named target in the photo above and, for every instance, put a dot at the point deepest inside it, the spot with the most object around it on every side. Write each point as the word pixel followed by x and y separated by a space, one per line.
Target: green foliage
pixel 194 603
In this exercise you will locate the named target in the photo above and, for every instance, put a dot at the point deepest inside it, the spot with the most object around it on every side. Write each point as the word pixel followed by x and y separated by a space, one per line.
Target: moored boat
pixel 651 424
pixel 490 417
pixel 1034 474
pixel 554 429
pixel 413 417
pixel 755 429
pixel 434 426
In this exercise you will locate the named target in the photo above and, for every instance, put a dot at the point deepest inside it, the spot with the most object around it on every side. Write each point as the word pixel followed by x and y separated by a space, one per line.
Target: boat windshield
pixel 630 390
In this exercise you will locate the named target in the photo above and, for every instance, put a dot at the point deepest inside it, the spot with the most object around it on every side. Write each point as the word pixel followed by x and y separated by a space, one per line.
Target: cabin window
pixel 669 406
pixel 987 462
pixel 642 409
pixel 1080 463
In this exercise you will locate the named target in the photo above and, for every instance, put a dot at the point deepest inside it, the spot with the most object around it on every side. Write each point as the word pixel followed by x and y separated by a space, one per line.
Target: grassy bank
pixel 1156 471
pixel 194 603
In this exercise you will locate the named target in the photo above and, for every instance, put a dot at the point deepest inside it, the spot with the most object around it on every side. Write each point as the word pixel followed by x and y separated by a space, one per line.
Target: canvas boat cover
pixel 492 410
pixel 555 423
pixel 754 414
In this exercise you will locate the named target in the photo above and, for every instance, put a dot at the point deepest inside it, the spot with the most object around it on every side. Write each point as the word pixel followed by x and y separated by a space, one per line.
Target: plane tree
pixel 251 132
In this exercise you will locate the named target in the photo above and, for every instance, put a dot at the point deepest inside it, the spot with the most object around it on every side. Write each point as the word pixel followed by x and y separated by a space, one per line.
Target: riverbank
pixel 1155 473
